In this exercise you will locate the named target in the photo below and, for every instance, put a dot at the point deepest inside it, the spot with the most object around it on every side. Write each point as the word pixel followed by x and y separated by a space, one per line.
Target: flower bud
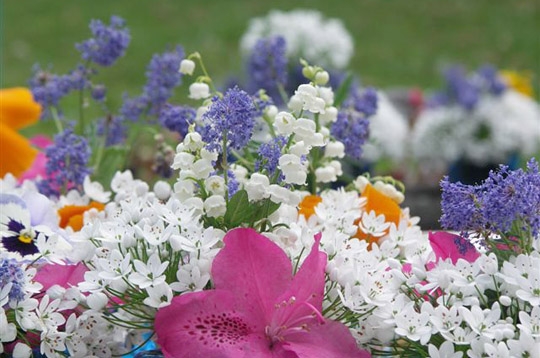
pixel 187 67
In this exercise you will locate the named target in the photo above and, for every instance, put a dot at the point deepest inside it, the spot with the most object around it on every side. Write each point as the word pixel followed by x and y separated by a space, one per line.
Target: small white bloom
pixel 293 169
pixel 159 296
pixel 257 187
pixel 202 168
pixel 279 194
pixel 187 67
pixel 183 160
pixel 326 174
pixel 95 191
pixel 22 351
pixel 199 90
pixel 215 206
pixel 284 123
pixel 97 301
pixel 322 78
pixel 193 141
pixel 215 184
pixel 162 189
pixel 150 273
pixel 373 225
pixel 334 149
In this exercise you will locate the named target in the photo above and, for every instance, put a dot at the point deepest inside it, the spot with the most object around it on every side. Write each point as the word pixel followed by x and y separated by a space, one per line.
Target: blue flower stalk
pixel 507 203
pixel 352 124
pixel 67 164
pixel 108 43
pixel 267 67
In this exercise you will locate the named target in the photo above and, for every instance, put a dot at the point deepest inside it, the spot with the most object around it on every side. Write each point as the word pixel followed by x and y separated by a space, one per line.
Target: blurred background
pixel 399 45
pixel 397 42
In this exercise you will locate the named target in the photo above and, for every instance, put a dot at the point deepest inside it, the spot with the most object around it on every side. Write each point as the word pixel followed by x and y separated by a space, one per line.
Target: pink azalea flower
pixel 257 309
pixel 38 168
pixel 446 245
pixel 63 275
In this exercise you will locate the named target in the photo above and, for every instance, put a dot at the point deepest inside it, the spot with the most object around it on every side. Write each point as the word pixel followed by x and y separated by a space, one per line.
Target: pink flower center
pixel 292 317
pixel 218 329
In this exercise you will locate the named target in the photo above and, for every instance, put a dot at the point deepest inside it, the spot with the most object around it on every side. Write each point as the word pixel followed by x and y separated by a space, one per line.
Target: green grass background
pixel 397 42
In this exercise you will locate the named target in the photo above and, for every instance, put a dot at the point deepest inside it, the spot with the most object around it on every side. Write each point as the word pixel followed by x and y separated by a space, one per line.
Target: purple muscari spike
pixel 494 83
pixel 162 77
pixel 352 124
pixel 267 66
pixel 114 128
pixel 460 206
pixel 232 183
pixel 177 118
pixel 48 88
pixel 133 107
pixel 67 163
pixel 98 92
pixel 269 154
pixel 108 43
pixel 461 89
pixel 512 195
pixel 232 116
pixel 11 272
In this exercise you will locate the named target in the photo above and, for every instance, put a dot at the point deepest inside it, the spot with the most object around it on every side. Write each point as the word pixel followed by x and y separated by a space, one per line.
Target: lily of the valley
pixel 257 309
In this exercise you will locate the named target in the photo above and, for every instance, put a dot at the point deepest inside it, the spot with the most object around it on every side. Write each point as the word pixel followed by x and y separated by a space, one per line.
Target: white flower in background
pixel 308 34
pixel 199 90
pixel 388 132
pixel 186 67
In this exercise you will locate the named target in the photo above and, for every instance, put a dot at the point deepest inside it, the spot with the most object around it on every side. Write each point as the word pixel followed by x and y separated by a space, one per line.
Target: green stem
pixel 57 120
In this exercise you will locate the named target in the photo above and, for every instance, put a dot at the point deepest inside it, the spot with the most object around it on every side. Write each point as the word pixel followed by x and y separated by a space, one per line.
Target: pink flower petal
pixel 254 269
pixel 209 324
pixel 62 275
pixel 331 339
pixel 308 283
pixel 446 245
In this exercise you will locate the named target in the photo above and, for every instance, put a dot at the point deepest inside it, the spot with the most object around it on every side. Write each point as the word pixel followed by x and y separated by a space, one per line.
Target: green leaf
pixel 343 90
pixel 238 210
pixel 264 209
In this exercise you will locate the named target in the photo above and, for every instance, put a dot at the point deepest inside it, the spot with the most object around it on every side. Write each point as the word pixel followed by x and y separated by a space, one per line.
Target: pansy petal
pixel 331 339
pixel 209 324
pixel 41 209
pixel 255 269
pixel 18 108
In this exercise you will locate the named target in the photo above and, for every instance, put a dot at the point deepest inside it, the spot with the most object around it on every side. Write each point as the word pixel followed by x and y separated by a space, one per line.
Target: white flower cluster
pixel 496 128
pixel 144 246
pixel 308 34
pixel 388 133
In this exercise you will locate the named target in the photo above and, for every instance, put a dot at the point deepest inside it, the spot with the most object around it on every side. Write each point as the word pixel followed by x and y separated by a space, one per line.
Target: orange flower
pixel 17 110
pixel 380 204
pixel 72 215
pixel 308 204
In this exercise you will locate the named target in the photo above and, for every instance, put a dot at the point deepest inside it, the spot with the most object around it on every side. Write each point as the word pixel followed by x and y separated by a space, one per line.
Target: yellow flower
pixel 17 110
pixel 519 81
